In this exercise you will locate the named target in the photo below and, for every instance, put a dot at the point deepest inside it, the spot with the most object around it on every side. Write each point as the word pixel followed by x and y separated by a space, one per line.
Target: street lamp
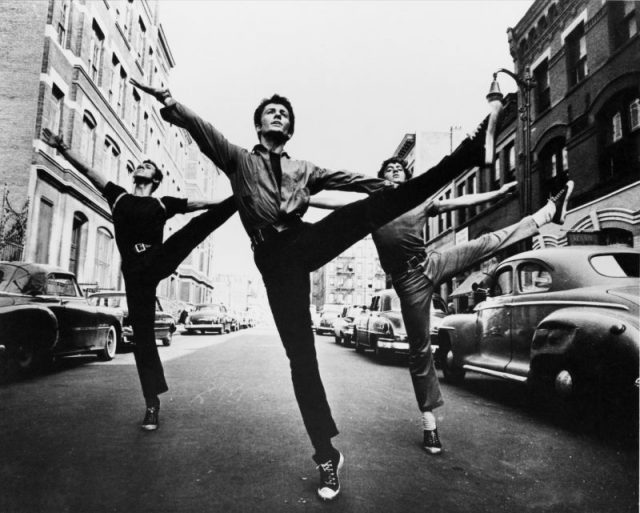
pixel 525 86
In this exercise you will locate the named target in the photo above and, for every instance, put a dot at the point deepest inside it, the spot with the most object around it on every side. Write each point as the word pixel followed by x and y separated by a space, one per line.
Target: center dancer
pixel 272 191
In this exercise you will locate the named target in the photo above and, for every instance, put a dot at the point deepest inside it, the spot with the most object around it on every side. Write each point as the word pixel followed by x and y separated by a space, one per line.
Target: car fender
pixel 457 333
pixel 24 322
pixel 587 334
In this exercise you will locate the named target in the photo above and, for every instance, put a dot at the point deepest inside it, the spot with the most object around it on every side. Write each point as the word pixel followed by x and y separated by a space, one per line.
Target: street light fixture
pixel 525 86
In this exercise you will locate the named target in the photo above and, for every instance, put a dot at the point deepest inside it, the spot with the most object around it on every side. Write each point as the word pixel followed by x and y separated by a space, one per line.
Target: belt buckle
pixel 140 247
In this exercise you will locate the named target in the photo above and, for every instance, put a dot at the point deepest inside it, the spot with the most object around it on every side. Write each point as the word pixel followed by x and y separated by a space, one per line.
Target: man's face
pixel 394 172
pixel 144 173
pixel 275 120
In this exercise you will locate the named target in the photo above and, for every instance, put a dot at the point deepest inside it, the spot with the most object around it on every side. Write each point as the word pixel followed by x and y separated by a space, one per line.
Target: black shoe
pixel 151 418
pixel 329 480
pixel 561 199
pixel 431 442
pixel 473 150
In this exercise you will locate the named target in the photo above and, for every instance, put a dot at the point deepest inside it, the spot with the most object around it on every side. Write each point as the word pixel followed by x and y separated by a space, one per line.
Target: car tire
pixel 380 354
pixel 452 374
pixel 166 341
pixel 358 347
pixel 337 339
pixel 109 351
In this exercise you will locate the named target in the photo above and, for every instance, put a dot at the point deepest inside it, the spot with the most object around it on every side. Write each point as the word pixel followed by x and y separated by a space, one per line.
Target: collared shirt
pixel 402 239
pixel 261 200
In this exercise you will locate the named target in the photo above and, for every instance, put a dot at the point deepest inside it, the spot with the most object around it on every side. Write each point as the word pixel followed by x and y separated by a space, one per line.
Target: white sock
pixel 428 421
pixel 545 214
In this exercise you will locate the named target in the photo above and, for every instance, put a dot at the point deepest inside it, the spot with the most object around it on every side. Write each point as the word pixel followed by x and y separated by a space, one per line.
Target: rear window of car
pixel 209 309
pixel 13 279
pixel 617 265
pixel 61 285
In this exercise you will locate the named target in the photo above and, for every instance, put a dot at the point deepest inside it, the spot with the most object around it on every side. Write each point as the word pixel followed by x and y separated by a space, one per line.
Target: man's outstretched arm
pixel 98 180
pixel 210 141
pixel 333 202
pixel 469 200
pixel 193 205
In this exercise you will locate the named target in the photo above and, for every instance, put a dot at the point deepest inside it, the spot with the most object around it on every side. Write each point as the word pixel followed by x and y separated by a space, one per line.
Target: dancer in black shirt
pixel 138 221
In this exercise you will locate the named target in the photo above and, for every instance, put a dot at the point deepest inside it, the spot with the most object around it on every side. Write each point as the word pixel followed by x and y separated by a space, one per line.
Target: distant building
pixel 350 279
pixel 67 65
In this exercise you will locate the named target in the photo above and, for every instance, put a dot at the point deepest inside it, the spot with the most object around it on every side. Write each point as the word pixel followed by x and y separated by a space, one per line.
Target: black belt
pixel 414 262
pixel 259 236
pixel 141 247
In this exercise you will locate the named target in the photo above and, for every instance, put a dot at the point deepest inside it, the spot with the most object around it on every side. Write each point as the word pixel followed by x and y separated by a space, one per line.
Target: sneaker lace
pixel 558 195
pixel 328 473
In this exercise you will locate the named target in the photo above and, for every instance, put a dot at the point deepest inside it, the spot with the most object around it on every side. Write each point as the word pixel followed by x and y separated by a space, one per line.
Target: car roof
pixel 35 268
pixel 558 253
pixel 108 293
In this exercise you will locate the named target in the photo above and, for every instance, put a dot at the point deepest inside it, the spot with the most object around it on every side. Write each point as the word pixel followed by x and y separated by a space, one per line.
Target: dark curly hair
pixel 394 160
pixel 279 100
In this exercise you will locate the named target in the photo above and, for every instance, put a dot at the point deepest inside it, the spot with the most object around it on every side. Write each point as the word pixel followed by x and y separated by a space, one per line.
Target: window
pixel 112 159
pixel 88 140
pixel 634 114
pixel 542 91
pixel 135 117
pixel 95 53
pixel 471 188
pixel 57 105
pixel 104 257
pixel 128 17
pixel 510 161
pixel 122 93
pixel 616 127
pixel 61 285
pixel 495 181
pixel 462 212
pixel 533 278
pixel 503 284
pixel 140 41
pixel 78 243
pixel 45 222
pixel 622 22
pixel 617 265
pixel 576 51
pixel 63 22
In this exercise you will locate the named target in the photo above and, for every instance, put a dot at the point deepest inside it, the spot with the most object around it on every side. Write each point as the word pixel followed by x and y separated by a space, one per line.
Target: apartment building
pixel 67 67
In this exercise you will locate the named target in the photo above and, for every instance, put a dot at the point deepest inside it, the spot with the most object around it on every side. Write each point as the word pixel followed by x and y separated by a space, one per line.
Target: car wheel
pixel 358 347
pixel 337 339
pixel 166 341
pixel 379 353
pixel 25 356
pixel 452 373
pixel 188 332
pixel 110 346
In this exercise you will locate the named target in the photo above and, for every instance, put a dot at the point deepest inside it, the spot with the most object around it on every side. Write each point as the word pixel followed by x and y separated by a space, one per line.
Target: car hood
pixel 631 293
pixel 205 315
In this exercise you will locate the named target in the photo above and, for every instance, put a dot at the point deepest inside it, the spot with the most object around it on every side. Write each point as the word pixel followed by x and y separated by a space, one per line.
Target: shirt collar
pixel 260 148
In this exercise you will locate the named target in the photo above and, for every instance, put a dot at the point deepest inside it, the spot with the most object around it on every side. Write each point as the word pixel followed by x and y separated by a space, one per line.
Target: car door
pixel 531 304
pixel 78 319
pixel 494 324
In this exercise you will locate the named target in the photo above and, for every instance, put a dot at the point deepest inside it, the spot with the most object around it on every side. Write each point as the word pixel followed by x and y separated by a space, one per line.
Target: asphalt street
pixel 231 440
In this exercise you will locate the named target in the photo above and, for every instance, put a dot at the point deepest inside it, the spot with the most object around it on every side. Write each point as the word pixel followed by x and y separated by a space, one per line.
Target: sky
pixel 360 75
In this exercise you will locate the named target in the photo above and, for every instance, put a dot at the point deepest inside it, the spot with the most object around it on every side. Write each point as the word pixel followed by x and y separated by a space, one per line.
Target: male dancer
pixel 415 273
pixel 138 221
pixel 272 191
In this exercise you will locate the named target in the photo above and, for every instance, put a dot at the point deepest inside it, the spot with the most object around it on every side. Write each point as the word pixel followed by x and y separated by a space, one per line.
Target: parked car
pixel 234 320
pixel 343 325
pixel 328 315
pixel 44 314
pixel 208 317
pixel 164 325
pixel 315 317
pixel 559 319
pixel 382 328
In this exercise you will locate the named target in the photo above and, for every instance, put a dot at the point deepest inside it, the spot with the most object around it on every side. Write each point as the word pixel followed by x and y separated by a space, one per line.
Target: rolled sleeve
pixel 344 181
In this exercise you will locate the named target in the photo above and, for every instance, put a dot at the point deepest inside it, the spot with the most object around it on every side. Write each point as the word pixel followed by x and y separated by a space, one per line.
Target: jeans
pixel 141 280
pixel 415 289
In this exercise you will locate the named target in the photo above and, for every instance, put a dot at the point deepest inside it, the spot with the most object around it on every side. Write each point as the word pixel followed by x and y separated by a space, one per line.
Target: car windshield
pixel 110 301
pixel 617 265
pixel 13 278
pixel 61 285
pixel 393 303
pixel 212 309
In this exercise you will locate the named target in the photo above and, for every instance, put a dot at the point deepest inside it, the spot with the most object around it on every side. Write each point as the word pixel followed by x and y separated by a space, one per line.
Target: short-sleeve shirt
pixel 139 219
pixel 402 238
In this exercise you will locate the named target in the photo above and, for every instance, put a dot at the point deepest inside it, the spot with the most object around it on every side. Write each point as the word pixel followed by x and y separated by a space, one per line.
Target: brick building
pixel 66 67
pixel 585 124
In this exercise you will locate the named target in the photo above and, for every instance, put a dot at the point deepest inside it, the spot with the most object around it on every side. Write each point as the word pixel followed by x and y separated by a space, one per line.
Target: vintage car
pixel 565 319
pixel 164 324
pixel 315 317
pixel 44 314
pixel 382 328
pixel 208 317
pixel 328 315
pixel 343 325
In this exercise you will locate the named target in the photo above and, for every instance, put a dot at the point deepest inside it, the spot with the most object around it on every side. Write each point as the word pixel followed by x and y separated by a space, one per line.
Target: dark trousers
pixel 286 259
pixel 141 281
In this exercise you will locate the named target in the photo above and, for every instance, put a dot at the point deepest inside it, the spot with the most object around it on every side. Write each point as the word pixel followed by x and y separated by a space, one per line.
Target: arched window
pixel 78 244
pixel 88 137
pixel 634 114
pixel 104 258
pixel 542 24
pixel 553 13
pixel 112 159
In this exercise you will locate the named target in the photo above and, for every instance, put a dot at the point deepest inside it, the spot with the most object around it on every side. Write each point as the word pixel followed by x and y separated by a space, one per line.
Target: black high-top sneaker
pixel 151 418
pixel 329 487
pixel 431 441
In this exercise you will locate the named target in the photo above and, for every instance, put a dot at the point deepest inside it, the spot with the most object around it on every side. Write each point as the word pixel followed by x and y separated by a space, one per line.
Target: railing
pixel 10 251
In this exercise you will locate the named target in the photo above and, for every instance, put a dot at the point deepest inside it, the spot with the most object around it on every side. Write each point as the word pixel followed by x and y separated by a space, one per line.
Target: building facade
pixel 350 279
pixel 68 65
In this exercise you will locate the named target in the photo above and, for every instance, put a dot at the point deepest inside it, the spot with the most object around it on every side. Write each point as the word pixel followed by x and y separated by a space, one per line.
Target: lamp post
pixel 525 86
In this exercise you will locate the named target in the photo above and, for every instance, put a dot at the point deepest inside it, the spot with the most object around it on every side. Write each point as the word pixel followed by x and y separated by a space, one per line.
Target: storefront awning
pixel 466 287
